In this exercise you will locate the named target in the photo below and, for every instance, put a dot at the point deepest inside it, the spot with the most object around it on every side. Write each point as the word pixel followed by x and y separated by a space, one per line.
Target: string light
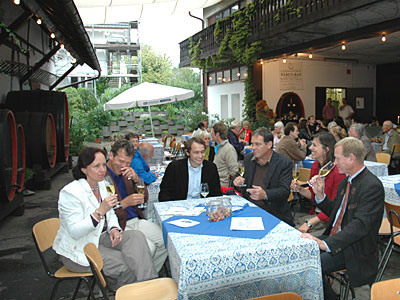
pixel 383 38
pixel 17 2
pixel 310 55
pixel 62 46
pixel 73 60
pixel 238 74
pixel 284 60
pixel 343 46
pixel 210 78
pixel 39 21
pixel 52 35
pixel 262 62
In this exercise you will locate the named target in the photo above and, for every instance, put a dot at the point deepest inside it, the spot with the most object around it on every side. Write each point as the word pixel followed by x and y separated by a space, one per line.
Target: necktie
pixel 336 227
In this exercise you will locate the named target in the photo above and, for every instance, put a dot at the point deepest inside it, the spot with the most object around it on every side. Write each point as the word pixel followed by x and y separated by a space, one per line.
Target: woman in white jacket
pixel 86 215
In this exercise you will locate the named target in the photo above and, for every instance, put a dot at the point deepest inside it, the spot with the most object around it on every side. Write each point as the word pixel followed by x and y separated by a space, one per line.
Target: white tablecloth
pixel 153 189
pixel 391 196
pixel 376 168
pixel 213 267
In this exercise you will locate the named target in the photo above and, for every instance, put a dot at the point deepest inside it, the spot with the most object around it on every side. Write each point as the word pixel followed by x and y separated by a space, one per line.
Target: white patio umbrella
pixel 148 94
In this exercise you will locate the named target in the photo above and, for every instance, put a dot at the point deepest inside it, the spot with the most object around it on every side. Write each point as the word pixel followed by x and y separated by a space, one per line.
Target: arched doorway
pixel 290 102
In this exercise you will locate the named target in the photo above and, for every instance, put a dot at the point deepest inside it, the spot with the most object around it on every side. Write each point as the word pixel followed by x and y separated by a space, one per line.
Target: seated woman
pixel 205 136
pixel 322 150
pixel 338 132
pixel 86 216
pixel 245 133
pixel 278 132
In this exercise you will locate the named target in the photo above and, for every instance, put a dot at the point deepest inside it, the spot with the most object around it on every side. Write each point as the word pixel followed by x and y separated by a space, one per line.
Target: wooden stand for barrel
pixel 10 198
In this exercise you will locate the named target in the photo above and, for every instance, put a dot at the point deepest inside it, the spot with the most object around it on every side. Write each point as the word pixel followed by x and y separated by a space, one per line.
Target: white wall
pixel 317 74
pixel 230 90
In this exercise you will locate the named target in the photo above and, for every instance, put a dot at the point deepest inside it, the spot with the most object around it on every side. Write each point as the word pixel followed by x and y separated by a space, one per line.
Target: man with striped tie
pixel 350 240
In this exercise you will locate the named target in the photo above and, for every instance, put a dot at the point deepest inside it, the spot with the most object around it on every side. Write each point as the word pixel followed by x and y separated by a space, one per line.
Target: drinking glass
pixel 325 170
pixel 296 171
pixel 111 189
pixel 241 171
pixel 140 188
pixel 204 190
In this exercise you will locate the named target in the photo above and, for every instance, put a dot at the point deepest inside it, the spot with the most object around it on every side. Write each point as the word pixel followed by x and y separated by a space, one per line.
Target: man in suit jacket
pixel 357 131
pixel 350 240
pixel 182 178
pixel 390 138
pixel 289 147
pixel 267 177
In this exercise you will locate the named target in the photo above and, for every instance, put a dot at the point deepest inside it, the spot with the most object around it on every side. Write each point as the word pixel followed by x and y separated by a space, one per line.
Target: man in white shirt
pixel 346 112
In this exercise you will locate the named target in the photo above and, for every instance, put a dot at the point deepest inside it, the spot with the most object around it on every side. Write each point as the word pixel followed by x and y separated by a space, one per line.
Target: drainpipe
pixel 202 21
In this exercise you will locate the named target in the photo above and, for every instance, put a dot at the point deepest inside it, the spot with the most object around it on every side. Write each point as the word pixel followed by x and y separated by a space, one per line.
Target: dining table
pixel 390 183
pixel 212 261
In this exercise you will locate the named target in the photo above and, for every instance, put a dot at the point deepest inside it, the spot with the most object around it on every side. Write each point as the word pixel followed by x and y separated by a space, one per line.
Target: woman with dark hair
pixel 322 150
pixel 86 216
pixel 200 126
pixel 303 132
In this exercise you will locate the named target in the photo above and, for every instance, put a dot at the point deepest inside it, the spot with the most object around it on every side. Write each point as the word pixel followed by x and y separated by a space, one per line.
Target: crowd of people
pixel 350 198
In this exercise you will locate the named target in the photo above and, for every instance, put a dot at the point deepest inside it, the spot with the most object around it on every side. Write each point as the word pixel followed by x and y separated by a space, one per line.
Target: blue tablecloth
pixel 397 188
pixel 222 228
pixel 219 267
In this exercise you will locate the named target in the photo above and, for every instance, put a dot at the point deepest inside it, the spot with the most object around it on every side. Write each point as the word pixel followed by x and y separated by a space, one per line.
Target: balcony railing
pixel 271 17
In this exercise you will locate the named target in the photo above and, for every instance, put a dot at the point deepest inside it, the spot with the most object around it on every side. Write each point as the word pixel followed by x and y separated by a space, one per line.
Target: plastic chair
pixel 393 213
pixel 281 296
pixel 384 290
pixel 44 233
pixel 383 158
pixel 160 289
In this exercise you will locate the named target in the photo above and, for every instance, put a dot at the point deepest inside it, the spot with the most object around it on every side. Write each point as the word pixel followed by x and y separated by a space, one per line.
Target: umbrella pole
pixel 151 120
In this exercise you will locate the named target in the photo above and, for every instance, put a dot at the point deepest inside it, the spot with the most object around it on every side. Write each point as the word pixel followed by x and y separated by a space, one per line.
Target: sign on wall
pixel 290 75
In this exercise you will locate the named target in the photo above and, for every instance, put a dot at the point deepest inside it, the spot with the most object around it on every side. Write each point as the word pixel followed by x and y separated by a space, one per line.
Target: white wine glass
pixel 204 190
pixel 111 189
pixel 241 171
pixel 295 171
pixel 326 169
pixel 140 189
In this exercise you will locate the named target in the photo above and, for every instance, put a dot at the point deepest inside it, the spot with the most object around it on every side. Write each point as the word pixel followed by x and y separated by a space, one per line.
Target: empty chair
pixel 160 289
pixel 164 140
pixel 394 167
pixel 385 290
pixel 383 158
pixel 281 296
pixel 44 233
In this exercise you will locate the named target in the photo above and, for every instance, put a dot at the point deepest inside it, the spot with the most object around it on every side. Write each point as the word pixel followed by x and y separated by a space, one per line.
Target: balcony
pixel 322 23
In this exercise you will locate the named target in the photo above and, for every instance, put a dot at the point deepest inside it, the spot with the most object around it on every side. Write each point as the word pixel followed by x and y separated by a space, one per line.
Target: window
pixel 227 76
pixel 226 12
pixel 219 77
pixel 235 74
pixel 211 78
pixel 243 73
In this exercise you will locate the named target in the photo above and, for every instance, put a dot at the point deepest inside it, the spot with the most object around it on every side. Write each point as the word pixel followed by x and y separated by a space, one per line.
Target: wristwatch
pixel 309 224
pixel 100 215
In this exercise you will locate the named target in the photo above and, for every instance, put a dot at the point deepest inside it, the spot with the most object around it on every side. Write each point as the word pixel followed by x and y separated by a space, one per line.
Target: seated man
pixel 357 131
pixel 130 217
pixel 225 155
pixel 182 178
pixel 143 153
pixel 390 138
pixel 350 240
pixel 267 177
pixel 289 147
pixel 233 139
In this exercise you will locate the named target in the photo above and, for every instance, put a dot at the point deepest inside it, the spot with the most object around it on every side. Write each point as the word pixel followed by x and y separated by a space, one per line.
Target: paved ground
pixel 21 273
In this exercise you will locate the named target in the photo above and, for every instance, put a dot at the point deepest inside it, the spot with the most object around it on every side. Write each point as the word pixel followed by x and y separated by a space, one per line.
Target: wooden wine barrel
pixel 21 154
pixel 40 139
pixel 55 103
pixel 8 155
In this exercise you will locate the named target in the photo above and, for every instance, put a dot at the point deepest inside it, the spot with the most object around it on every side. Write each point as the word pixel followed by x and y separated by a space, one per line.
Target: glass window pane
pixel 243 72
pixel 219 77
pixel 211 78
pixel 226 12
pixel 218 16
pixel 234 8
pixel 235 74
pixel 227 76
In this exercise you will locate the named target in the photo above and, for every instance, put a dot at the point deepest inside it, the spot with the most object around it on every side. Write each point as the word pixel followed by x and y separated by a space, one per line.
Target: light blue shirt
pixel 194 181
pixel 340 208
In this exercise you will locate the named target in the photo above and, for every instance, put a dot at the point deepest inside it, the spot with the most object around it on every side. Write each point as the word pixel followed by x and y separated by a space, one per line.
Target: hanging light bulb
pixel 39 21
pixel 310 55
pixel 343 46
pixel 383 38
pixel 284 60
pixel 62 46
pixel 17 2
pixel 52 35
pixel 238 74
pixel 210 78
pixel 73 60
pixel 262 62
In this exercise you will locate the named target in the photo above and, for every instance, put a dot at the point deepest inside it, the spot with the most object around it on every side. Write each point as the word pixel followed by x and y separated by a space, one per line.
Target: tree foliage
pixel 156 68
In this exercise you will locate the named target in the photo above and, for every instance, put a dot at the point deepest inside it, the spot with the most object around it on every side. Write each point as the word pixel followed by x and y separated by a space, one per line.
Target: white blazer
pixel 76 203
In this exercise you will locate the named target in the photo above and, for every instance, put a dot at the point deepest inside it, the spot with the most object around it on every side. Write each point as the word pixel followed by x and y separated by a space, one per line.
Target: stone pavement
pixel 21 273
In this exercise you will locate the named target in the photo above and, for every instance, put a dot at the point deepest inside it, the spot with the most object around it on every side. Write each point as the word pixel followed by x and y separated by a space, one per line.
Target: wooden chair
pixel 393 213
pixel 164 140
pixel 384 290
pixel 383 158
pixel 160 289
pixel 44 233
pixel 304 175
pixel 281 296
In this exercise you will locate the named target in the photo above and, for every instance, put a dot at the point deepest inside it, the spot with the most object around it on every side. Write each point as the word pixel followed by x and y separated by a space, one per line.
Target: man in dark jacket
pixel 183 178
pixel 267 177
pixel 233 139
pixel 350 240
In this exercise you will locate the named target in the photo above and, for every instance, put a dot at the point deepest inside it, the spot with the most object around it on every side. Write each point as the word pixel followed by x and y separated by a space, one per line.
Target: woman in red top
pixel 322 150
pixel 245 133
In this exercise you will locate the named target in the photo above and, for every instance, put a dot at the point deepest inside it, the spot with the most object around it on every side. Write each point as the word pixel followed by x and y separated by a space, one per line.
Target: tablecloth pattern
pixel 391 196
pixel 376 168
pixel 210 267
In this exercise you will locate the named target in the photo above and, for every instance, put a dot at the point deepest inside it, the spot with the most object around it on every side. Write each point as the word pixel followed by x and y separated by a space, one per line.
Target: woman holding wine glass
pixel 322 150
pixel 86 216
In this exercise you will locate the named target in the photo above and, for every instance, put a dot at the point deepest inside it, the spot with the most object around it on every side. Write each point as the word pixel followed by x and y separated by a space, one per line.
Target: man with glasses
pixel 267 177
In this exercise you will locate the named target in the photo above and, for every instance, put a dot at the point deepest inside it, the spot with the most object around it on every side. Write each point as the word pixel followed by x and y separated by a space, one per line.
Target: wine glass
pixel 140 190
pixel 296 171
pixel 110 189
pixel 324 171
pixel 241 171
pixel 204 190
